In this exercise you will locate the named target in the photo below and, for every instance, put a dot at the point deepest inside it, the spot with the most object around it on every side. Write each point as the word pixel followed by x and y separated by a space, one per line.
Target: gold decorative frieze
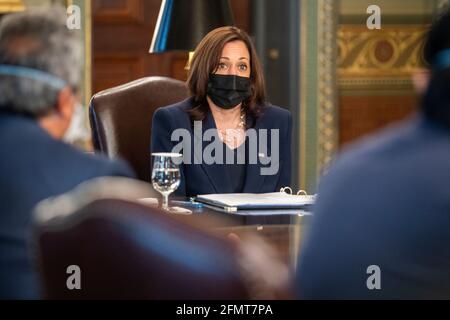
pixel 394 51
pixel 8 6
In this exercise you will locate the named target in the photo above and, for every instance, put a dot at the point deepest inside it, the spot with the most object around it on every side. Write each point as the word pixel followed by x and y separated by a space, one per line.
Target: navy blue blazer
pixel 213 178
pixel 385 203
pixel 34 166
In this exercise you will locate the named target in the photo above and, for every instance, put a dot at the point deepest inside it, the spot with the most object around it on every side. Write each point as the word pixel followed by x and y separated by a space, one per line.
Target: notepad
pixel 232 202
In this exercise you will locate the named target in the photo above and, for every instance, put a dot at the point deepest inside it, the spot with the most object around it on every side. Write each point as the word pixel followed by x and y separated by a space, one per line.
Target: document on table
pixel 233 202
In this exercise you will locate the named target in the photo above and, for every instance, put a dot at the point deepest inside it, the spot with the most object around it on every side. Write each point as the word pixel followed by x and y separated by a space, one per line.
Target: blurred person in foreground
pixel 39 77
pixel 381 227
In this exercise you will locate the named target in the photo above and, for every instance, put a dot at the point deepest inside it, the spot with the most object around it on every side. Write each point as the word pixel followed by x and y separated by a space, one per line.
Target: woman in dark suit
pixel 231 139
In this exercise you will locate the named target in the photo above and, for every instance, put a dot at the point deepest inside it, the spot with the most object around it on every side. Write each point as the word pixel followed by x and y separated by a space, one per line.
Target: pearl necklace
pixel 233 135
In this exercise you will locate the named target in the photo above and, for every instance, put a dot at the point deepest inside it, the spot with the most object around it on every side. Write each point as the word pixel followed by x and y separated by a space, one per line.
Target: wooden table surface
pixel 283 232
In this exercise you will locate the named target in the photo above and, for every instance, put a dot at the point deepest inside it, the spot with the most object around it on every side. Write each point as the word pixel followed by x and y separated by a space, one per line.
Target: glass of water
pixel 165 175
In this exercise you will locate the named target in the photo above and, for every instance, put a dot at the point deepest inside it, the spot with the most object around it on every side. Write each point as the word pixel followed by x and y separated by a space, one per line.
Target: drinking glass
pixel 165 175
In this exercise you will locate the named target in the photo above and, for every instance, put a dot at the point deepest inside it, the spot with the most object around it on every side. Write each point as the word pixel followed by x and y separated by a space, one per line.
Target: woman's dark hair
pixel 436 101
pixel 205 62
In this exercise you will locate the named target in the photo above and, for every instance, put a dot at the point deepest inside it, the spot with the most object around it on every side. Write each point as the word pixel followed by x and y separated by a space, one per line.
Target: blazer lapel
pixel 216 173
pixel 253 178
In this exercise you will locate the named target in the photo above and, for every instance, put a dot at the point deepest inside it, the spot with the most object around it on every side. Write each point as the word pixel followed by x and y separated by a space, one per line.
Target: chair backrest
pixel 121 118
pixel 125 250
pixel 128 250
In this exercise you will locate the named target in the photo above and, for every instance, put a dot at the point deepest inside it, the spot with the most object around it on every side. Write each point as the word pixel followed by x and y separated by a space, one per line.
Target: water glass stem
pixel 165 203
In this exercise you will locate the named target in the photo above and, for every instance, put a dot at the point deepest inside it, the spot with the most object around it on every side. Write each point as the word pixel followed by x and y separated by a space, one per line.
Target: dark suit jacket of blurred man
pixel 34 166
pixel 385 204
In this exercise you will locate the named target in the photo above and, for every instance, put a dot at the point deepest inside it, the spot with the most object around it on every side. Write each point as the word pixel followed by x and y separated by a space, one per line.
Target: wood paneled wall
pixel 122 32
pixel 359 116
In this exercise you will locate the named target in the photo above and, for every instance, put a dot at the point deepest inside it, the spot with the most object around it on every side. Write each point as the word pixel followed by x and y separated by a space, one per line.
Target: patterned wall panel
pixel 375 70
pixel 392 53
pixel 327 90
pixel 318 90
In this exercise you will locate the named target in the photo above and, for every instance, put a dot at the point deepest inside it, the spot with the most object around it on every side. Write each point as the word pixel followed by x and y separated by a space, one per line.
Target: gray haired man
pixel 39 79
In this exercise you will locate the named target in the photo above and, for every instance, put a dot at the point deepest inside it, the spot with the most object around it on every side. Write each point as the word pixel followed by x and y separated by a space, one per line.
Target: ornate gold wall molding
pixel 394 51
pixel 8 6
pixel 318 134
pixel 327 142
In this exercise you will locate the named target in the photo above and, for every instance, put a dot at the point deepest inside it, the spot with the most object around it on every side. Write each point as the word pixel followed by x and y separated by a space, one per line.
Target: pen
pixel 191 203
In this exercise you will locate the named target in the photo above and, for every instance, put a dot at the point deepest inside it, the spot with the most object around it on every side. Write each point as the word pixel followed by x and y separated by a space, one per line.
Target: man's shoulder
pixel 29 146
pixel 87 163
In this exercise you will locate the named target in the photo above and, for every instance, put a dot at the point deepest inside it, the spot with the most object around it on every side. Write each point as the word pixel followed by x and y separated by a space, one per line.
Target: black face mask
pixel 227 91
